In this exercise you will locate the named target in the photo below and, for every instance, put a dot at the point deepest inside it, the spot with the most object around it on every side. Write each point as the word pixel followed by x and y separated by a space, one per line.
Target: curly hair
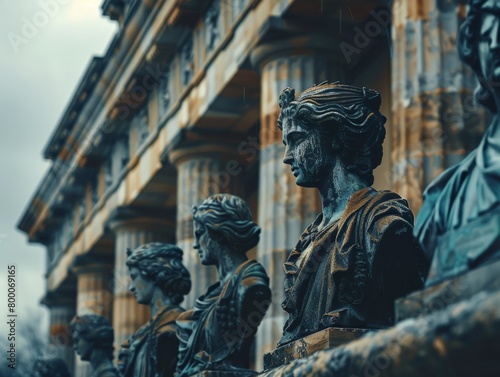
pixel 229 217
pixel 468 51
pixel 162 263
pixel 96 330
pixel 347 114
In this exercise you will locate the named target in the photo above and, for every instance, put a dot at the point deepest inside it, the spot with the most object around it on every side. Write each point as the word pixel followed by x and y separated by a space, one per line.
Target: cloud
pixel 37 84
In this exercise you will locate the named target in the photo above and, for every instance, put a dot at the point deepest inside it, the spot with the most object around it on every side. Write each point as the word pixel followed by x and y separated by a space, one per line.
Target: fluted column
pixel 132 229
pixel 285 209
pixel 62 310
pixel 203 170
pixel 94 296
pixel 435 121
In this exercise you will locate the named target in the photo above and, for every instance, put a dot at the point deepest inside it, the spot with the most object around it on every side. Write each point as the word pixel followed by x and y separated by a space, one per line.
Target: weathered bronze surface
pixel 463 203
pixel 460 341
pixel 93 341
pixel 216 335
pixel 306 346
pixel 359 255
pixel 50 367
pixel 159 280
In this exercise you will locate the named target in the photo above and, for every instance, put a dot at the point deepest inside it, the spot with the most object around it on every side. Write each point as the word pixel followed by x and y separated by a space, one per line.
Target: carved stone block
pixel 321 340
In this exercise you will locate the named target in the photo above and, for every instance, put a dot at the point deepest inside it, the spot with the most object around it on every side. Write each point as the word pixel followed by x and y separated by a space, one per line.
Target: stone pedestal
pixel 321 340
pixel 94 296
pixel 204 169
pixel 285 209
pixel 132 228
pixel 440 296
pixel 212 373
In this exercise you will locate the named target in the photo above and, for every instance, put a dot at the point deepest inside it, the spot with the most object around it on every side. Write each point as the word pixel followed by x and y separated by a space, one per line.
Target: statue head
pixel 223 220
pixel 330 122
pixel 50 367
pixel 91 332
pixel 479 47
pixel 158 265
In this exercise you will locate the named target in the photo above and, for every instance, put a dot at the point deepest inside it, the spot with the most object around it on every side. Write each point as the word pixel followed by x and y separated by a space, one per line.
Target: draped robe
pixel 349 273
pixel 458 224
pixel 216 334
pixel 152 350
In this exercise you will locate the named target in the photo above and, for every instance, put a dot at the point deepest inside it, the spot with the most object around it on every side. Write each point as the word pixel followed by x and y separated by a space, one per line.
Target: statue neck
pixel 159 302
pixel 99 359
pixel 229 263
pixel 335 192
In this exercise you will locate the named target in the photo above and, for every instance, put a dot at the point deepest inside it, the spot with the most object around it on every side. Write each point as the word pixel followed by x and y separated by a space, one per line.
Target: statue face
pixel 206 246
pixel 82 348
pixel 489 43
pixel 308 154
pixel 142 287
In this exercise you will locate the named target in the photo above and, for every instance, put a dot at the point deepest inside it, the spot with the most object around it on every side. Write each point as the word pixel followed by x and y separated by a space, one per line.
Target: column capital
pixel 90 263
pixel 132 218
pixel 298 45
pixel 224 151
pixel 55 299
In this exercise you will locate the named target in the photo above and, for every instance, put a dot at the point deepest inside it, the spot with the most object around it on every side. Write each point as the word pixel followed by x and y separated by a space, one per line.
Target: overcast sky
pixel 45 46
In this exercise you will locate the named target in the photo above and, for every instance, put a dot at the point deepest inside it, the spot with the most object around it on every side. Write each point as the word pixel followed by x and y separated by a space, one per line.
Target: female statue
pixel 359 255
pixel 159 280
pixel 93 341
pixel 217 333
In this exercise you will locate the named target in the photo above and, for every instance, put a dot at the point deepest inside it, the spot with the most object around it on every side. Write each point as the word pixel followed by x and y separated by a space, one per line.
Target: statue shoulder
pixel 387 212
pixel 253 273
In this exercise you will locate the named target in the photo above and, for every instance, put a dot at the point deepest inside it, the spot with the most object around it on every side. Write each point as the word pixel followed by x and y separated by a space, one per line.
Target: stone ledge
pixel 440 296
pixel 217 373
pixel 462 340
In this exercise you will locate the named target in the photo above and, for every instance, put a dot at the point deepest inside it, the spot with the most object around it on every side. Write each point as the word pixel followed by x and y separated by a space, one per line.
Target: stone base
pixel 483 279
pixel 321 340
pixel 218 373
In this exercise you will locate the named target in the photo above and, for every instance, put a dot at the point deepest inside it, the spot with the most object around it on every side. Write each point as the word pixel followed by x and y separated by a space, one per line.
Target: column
pixel 435 121
pixel 62 310
pixel 204 169
pixel 285 209
pixel 94 295
pixel 132 228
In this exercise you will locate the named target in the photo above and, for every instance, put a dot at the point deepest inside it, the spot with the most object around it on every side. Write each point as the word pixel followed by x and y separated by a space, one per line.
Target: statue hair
pixel 467 43
pixel 162 263
pixel 349 115
pixel 229 217
pixel 96 330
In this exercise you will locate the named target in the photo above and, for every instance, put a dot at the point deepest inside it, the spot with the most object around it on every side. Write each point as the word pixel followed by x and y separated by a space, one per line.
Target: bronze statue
pixel 160 280
pixel 358 256
pixel 93 341
pixel 216 334
pixel 458 224
pixel 50 367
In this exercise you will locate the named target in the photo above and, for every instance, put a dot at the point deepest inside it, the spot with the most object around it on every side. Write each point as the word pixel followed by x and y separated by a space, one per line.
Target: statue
pixel 359 255
pixel 459 220
pixel 160 280
pixel 93 341
pixel 216 334
pixel 50 367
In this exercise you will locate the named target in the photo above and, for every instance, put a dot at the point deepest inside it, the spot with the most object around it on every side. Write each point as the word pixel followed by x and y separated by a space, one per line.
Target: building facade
pixel 184 105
